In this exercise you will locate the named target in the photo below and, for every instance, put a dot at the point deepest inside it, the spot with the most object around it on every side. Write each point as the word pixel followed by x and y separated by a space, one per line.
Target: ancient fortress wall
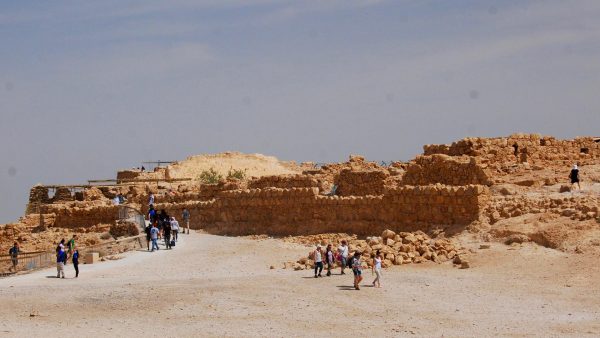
pixel 284 181
pixel 444 169
pixel 299 211
pixel 521 148
pixel 71 216
pixel 361 182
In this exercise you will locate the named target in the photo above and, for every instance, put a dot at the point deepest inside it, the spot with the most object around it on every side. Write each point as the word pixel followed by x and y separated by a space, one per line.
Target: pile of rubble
pixel 396 249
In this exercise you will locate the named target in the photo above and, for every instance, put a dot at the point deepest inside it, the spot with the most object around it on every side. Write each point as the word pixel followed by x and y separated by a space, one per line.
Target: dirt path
pixel 219 286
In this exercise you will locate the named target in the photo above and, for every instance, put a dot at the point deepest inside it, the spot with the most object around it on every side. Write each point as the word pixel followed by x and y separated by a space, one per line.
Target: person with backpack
pixel 357 270
pixel 343 255
pixel 61 258
pixel 329 259
pixel 75 259
pixel 14 255
pixel 376 268
pixel 574 176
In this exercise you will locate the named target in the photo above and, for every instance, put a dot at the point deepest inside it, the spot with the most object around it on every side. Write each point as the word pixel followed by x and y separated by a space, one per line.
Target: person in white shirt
pixel 376 268
pixel 318 255
pixel 174 228
pixel 151 199
pixel 343 255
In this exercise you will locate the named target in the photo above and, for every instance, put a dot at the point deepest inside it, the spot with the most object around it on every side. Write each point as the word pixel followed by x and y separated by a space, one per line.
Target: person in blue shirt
pixel 14 255
pixel 61 258
pixel 75 258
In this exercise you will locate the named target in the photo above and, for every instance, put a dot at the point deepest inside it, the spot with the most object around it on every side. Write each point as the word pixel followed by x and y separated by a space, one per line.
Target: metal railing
pixel 30 261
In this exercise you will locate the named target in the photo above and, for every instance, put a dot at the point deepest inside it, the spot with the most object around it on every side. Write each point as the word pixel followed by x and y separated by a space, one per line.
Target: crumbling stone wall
pixel 68 216
pixel 444 169
pixel 299 211
pixel 62 194
pixel 358 182
pixel 37 195
pixel 284 181
pixel 523 148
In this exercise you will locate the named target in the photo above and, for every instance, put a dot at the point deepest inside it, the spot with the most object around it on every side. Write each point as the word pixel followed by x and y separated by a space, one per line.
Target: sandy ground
pixel 220 286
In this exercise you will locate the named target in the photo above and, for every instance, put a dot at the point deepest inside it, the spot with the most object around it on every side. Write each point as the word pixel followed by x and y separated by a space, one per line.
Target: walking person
pixel 376 268
pixel 329 259
pixel 175 229
pixel 151 199
pixel 148 236
pixel 186 219
pixel 357 270
pixel 61 258
pixel 343 255
pixel 75 259
pixel 167 233
pixel 151 214
pixel 574 176
pixel 14 255
pixel 318 261
pixel 154 236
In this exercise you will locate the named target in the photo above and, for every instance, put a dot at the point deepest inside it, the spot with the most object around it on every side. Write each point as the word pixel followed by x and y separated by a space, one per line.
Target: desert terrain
pixel 223 286
pixel 481 237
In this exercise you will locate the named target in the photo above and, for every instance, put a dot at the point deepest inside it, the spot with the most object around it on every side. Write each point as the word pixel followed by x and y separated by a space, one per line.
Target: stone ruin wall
pixel 366 201
pixel 353 182
pixel 301 211
pixel 523 148
pixel 444 169
pixel 284 181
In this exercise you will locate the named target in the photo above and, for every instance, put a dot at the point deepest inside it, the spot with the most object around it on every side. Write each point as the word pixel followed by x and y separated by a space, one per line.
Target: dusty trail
pixel 220 286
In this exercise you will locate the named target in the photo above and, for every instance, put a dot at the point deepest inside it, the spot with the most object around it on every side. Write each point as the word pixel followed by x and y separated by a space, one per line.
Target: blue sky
pixel 89 87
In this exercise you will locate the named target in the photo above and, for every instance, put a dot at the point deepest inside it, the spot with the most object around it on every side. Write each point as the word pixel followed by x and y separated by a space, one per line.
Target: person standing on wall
pixel 14 255
pixel 151 199
pixel 343 255
pixel 574 176
pixel 186 219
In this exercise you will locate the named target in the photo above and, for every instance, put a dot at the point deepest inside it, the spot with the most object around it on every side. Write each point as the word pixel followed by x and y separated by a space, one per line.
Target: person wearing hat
pixel 317 254
pixel 574 176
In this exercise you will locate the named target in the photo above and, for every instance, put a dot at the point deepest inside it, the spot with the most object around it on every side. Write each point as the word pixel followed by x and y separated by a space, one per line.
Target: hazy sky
pixel 90 87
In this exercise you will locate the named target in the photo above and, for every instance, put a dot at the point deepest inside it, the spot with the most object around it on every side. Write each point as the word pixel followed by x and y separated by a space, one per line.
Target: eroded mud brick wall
pixel 521 148
pixel 299 211
pixel 444 169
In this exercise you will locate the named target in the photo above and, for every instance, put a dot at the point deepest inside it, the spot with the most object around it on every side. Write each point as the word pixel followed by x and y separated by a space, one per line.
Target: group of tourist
pixel 63 254
pixel 329 257
pixel 163 226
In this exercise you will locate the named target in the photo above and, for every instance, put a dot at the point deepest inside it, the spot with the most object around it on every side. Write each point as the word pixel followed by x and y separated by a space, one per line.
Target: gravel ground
pixel 220 286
